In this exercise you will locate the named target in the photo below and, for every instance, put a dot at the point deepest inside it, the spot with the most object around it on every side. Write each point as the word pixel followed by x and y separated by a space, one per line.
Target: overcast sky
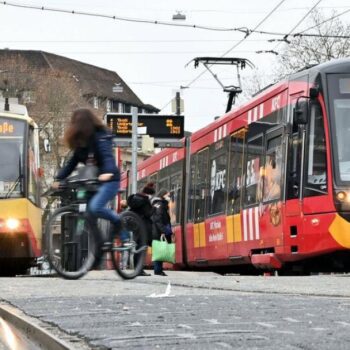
pixel 152 58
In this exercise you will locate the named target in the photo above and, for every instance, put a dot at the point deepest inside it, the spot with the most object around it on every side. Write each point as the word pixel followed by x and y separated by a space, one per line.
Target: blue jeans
pixel 97 204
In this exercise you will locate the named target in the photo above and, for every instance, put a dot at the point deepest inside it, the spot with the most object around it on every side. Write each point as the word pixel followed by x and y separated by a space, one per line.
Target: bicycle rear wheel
pixel 71 245
pixel 130 247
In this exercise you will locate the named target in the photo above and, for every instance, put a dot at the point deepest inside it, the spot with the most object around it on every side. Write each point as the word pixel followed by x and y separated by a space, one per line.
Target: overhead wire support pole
pixel 134 122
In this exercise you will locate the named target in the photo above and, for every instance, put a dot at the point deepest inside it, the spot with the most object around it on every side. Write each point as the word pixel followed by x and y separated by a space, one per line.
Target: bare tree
pixel 305 51
pixel 50 97
pixel 253 82
pixel 56 97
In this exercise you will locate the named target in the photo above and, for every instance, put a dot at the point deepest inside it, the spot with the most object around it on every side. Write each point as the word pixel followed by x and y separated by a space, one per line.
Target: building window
pixel 95 102
pixel 115 106
pixel 127 109
pixel 108 105
pixel 28 97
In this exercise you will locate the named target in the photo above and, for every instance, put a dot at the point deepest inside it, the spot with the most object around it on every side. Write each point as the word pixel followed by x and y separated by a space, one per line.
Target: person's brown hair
pixel 82 126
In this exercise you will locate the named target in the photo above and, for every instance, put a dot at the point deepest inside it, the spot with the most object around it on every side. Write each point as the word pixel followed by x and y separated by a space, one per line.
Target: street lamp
pixel 179 16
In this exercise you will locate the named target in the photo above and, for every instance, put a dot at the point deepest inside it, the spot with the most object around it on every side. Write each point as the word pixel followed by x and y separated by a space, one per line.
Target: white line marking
pixel 261 115
pixel 290 319
pixel 265 324
pixel 255 118
pixel 256 218
pixel 251 233
pixel 245 235
pixel 249 117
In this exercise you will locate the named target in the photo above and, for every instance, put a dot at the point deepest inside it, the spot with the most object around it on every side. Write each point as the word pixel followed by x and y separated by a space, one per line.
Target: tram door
pixel 201 182
pixel 294 170
pixel 316 196
pixel 307 181
pixel 235 182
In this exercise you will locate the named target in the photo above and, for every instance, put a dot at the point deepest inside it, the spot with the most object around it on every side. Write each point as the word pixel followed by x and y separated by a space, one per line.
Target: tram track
pixel 19 331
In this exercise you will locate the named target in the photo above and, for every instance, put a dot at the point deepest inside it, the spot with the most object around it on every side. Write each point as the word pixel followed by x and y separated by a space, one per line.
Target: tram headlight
pixel 12 224
pixel 341 196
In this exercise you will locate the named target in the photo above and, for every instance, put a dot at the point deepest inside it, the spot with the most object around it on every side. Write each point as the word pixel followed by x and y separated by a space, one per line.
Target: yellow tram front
pixel 20 213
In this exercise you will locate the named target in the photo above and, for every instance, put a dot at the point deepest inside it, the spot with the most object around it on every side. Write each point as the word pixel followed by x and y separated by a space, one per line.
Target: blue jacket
pixel 100 144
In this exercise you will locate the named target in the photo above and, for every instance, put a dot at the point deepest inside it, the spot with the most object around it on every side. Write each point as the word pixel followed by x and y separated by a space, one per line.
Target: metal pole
pixel 178 107
pixel 134 150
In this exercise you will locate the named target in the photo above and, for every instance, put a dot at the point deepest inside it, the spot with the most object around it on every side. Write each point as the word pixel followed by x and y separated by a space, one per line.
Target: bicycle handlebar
pixel 73 182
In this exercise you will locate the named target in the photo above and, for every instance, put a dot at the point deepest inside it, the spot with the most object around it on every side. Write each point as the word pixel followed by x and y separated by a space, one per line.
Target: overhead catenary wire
pixel 302 33
pixel 316 35
pixel 166 105
pixel 245 30
pixel 57 75
pixel 119 18
pixel 127 41
pixel 298 23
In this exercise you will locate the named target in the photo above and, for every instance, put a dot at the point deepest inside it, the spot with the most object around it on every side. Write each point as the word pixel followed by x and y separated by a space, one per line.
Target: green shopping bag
pixel 163 251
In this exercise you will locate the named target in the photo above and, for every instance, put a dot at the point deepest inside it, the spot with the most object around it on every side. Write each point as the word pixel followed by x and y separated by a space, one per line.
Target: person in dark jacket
pixel 140 203
pixel 161 224
pixel 89 140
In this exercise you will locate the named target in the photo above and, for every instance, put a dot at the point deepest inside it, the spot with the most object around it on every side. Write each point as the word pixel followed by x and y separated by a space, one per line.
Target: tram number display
pixel 11 127
pixel 154 125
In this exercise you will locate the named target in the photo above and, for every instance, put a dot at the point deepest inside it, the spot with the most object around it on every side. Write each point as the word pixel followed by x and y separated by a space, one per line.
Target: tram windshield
pixel 11 157
pixel 339 92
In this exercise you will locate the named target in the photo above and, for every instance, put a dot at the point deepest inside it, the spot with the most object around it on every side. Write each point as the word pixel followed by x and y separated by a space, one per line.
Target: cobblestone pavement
pixel 202 311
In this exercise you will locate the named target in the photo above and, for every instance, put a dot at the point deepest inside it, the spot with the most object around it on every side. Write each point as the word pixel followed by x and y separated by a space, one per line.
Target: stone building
pixel 51 86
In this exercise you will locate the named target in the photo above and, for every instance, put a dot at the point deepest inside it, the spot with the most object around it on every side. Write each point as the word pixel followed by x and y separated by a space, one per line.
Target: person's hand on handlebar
pixel 55 185
pixel 105 177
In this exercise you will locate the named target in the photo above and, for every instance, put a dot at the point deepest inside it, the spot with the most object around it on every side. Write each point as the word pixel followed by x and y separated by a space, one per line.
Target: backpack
pixel 140 205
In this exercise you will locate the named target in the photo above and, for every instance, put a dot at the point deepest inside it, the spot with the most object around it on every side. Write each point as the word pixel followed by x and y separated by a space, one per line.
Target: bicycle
pixel 73 243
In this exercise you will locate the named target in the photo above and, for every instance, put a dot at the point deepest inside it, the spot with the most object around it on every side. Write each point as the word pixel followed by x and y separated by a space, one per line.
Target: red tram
pixel 267 184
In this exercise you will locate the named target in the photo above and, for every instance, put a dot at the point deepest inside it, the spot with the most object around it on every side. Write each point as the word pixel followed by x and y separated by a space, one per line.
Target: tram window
pixel 342 128
pixel 201 185
pixel 153 178
pixel 141 184
pixel 253 172
pixel 163 179
pixel 235 174
pixel 218 178
pixel 316 163
pixel 175 198
pixel 191 194
pixel 273 169
pixel 163 183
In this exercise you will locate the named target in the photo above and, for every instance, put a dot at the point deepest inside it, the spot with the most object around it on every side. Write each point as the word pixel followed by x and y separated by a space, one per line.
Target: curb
pixel 35 333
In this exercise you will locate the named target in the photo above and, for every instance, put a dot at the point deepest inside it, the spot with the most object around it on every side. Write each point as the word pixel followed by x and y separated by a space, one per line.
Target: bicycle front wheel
pixel 130 246
pixel 71 245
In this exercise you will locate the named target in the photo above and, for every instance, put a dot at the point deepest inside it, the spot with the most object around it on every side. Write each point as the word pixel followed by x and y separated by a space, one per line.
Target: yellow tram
pixel 20 213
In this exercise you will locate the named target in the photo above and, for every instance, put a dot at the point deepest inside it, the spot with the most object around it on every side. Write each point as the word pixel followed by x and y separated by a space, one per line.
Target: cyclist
pixel 87 137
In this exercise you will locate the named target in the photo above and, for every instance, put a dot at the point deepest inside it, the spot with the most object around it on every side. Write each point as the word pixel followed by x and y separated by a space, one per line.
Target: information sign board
pixel 154 125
